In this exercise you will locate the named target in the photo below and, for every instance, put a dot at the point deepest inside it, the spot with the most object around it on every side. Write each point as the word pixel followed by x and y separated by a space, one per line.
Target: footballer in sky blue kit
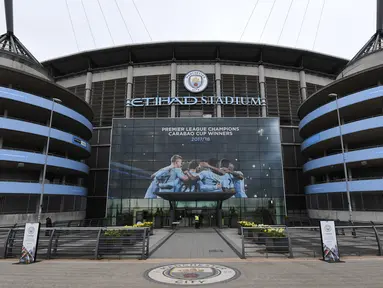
pixel 209 179
pixel 167 179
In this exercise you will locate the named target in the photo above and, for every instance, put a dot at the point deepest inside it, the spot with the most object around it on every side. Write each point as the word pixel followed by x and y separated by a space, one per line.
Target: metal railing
pixel 306 242
pixel 79 242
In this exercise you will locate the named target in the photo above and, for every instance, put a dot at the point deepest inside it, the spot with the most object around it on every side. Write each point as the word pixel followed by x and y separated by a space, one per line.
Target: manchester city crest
pixel 192 274
pixel 195 81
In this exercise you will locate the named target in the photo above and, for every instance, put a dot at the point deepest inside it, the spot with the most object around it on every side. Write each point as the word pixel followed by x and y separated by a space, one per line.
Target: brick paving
pixel 302 273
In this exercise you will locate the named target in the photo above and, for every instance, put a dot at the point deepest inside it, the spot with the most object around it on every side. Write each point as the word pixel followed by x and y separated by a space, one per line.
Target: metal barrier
pixel 80 242
pixel 306 242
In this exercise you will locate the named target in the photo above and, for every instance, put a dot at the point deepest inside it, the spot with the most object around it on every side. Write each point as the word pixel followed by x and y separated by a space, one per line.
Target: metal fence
pixel 80 242
pixel 306 242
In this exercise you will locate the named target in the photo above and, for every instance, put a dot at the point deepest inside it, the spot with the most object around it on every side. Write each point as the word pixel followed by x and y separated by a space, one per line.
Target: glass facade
pixel 248 150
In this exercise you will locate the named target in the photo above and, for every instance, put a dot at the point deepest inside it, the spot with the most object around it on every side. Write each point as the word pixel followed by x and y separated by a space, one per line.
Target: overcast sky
pixel 44 27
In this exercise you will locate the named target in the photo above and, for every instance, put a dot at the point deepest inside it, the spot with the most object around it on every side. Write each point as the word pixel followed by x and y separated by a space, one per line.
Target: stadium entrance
pixel 207 217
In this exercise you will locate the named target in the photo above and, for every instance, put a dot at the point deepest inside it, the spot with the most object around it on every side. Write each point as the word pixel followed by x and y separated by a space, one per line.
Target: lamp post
pixel 46 158
pixel 333 95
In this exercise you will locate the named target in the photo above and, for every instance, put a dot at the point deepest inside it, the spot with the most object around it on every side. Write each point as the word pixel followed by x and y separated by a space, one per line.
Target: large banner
pixel 29 248
pixel 196 155
pixel 329 242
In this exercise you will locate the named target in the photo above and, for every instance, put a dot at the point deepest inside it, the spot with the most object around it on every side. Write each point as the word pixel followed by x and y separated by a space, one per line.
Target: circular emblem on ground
pixel 195 81
pixel 192 274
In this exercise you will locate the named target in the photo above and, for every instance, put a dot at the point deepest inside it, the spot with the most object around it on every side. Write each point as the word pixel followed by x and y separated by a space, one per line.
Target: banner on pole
pixel 29 248
pixel 329 242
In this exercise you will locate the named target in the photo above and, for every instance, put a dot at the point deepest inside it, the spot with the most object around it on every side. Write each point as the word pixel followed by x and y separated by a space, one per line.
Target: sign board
pixel 195 82
pixel 329 242
pixel 29 248
pixel 79 142
pixel 193 100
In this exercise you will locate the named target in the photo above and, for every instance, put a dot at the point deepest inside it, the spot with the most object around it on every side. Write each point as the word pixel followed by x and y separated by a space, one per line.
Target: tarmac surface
pixel 354 272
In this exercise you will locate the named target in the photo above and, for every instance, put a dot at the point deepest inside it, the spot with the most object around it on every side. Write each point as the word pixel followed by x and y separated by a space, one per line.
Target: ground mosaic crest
pixel 192 274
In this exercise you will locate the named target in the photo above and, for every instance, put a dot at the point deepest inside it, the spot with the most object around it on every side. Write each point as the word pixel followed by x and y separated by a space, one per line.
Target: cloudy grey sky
pixel 340 28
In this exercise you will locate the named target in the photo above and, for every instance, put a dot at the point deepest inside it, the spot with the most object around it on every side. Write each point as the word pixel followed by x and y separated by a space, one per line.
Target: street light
pixel 333 95
pixel 54 100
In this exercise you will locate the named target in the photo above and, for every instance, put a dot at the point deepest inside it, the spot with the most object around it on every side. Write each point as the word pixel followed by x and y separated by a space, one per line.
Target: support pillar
pixel 218 88
pixel 129 91
pixel 303 85
pixel 262 90
pixel 173 79
pixel 88 86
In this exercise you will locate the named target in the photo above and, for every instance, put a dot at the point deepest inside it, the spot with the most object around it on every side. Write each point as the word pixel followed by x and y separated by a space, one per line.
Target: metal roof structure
pixel 9 43
pixel 375 43
pixel 166 52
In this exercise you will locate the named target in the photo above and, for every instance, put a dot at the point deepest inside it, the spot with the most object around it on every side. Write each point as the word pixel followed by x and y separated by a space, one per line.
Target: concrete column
pixel 218 88
pixel 262 88
pixel 173 79
pixel 5 113
pixel 88 86
pixel 62 204
pixel 129 91
pixel 1 142
pixel 63 179
pixel 303 86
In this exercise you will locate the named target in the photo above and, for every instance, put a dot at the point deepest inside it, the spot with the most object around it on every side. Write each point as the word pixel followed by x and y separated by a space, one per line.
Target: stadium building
pixel 44 134
pixel 245 95
pixel 346 183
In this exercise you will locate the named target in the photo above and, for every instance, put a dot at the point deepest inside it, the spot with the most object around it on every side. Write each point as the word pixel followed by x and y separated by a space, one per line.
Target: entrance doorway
pixel 207 216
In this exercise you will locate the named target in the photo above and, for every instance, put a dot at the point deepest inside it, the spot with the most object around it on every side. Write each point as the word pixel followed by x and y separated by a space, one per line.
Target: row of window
pixel 360 201
pixel 24 204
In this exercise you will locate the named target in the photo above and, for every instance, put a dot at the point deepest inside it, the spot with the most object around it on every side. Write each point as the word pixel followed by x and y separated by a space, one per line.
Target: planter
pixel 279 245
pixel 260 239
pixel 108 245
pixel 248 233
pixel 151 230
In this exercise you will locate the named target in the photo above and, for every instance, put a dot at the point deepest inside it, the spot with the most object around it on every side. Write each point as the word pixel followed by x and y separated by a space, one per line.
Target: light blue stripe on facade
pixel 44 103
pixel 37 158
pixel 7 187
pixel 362 96
pixel 31 128
pixel 353 156
pixel 354 186
pixel 357 126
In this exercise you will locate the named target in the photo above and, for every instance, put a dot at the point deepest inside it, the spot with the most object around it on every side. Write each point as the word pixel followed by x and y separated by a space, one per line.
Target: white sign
pixel 193 100
pixel 329 241
pixel 192 274
pixel 29 248
pixel 195 81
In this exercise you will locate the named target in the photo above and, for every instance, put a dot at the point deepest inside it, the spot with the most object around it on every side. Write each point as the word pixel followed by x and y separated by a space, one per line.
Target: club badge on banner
pixel 29 248
pixel 329 242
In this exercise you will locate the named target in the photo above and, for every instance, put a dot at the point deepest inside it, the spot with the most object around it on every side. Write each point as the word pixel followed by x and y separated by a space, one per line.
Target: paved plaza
pixel 355 272
pixel 194 243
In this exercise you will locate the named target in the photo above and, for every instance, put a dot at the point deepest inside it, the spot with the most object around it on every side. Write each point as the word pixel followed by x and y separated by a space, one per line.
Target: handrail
pixel 41 124
pixel 38 152
pixel 36 182
pixel 349 179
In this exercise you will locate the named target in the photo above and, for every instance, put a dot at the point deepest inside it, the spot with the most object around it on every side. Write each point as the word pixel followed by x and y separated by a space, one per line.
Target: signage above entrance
pixel 195 82
pixel 192 100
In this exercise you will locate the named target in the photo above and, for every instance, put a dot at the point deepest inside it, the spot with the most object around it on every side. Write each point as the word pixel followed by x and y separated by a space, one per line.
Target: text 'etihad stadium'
pixel 191 100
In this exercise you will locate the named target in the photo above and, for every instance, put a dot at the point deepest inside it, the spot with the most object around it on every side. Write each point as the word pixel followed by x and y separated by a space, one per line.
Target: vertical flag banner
pixel 329 242
pixel 29 248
